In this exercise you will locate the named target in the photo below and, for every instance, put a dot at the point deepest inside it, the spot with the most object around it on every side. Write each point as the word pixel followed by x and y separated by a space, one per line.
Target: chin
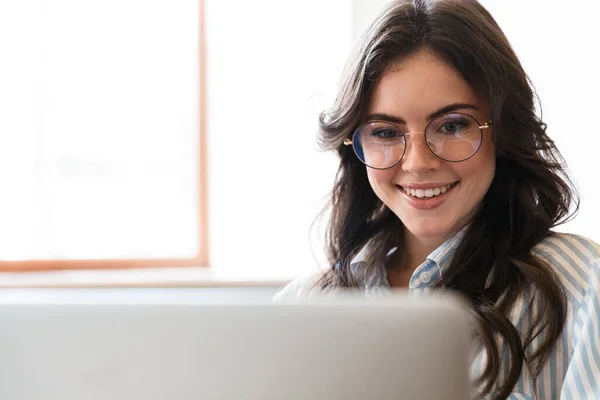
pixel 428 233
pixel 430 229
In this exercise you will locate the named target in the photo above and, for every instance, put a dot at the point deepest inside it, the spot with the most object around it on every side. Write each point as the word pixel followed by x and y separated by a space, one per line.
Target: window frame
pixel 202 257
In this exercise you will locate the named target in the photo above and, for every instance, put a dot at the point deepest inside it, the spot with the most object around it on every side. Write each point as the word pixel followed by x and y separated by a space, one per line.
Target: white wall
pixel 267 61
pixel 558 45
pixel 271 67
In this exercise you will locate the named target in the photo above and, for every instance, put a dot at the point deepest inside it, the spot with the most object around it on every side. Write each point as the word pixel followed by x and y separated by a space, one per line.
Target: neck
pixel 414 253
pixel 416 249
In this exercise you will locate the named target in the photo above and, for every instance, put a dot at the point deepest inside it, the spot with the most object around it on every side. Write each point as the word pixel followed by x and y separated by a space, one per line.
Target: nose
pixel 418 158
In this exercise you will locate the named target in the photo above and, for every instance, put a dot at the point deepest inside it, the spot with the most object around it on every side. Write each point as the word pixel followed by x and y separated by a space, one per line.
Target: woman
pixel 447 180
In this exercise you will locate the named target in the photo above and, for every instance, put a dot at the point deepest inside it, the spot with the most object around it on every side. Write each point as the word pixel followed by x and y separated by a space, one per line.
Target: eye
pixel 452 126
pixel 386 133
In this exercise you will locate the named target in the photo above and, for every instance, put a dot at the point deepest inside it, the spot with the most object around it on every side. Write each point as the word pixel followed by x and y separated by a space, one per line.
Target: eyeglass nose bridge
pixel 427 143
pixel 413 133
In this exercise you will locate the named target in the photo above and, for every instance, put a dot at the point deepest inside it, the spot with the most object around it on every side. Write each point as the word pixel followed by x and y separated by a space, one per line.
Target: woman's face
pixel 410 94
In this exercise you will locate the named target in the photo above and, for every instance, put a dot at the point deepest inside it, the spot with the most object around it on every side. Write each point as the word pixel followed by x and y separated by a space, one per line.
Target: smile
pixel 427 197
pixel 429 192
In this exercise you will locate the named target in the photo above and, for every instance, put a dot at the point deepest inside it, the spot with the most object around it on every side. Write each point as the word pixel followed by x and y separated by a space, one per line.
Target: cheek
pixel 477 173
pixel 488 162
pixel 380 179
pixel 488 155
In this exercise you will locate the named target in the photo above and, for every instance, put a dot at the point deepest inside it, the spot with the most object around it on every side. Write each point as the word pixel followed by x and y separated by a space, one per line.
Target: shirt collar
pixel 373 277
pixel 443 254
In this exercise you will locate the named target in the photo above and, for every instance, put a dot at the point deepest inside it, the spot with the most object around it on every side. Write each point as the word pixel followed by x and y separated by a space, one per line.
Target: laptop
pixel 339 348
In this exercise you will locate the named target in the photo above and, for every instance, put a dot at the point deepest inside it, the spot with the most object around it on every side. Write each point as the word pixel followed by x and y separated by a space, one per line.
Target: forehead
pixel 413 88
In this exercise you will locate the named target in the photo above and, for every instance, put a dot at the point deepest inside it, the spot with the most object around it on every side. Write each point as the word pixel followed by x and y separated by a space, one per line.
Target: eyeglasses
pixel 452 137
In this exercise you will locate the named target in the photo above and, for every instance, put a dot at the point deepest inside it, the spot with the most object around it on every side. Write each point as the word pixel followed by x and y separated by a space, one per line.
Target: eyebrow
pixel 443 110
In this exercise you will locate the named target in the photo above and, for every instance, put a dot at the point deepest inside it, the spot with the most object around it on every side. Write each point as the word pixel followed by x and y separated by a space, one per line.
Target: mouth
pixel 428 193
pixel 429 198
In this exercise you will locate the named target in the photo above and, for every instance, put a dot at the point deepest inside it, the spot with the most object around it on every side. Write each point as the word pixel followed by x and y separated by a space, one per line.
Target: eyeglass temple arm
pixel 348 141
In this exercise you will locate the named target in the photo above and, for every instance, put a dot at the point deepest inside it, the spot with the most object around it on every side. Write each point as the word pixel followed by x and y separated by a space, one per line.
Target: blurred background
pixel 179 136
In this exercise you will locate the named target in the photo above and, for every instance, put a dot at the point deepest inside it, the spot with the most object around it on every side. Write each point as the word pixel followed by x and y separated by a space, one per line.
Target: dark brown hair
pixel 529 195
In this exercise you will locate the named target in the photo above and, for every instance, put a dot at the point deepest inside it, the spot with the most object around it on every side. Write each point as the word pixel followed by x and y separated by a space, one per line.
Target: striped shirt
pixel 573 369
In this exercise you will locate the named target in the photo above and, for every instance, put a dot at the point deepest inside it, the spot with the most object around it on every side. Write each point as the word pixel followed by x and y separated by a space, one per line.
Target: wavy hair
pixel 530 192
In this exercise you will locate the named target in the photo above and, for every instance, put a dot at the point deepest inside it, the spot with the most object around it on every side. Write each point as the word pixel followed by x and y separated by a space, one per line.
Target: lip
pixel 428 185
pixel 426 203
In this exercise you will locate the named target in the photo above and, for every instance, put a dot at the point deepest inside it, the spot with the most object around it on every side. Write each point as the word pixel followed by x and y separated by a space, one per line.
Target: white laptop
pixel 347 348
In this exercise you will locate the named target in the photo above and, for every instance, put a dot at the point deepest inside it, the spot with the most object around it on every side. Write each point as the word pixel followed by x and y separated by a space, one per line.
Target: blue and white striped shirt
pixel 573 369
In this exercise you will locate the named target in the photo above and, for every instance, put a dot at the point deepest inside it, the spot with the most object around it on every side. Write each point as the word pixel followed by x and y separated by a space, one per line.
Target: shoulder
pixel 574 258
pixel 570 244
pixel 299 288
pixel 580 257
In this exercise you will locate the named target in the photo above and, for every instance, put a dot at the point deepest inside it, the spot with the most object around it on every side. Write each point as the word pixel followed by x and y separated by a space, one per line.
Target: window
pixel 101 134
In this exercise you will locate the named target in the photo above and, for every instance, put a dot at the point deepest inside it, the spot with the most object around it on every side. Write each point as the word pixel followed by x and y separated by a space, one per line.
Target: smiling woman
pixel 452 183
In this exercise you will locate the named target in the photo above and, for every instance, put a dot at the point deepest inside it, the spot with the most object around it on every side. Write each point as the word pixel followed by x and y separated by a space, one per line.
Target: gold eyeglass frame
pixel 348 141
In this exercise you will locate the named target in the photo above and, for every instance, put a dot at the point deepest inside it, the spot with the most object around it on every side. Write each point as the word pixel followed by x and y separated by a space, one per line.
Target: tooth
pixel 420 193
pixel 413 192
pixel 443 190
pixel 428 192
pixel 437 191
